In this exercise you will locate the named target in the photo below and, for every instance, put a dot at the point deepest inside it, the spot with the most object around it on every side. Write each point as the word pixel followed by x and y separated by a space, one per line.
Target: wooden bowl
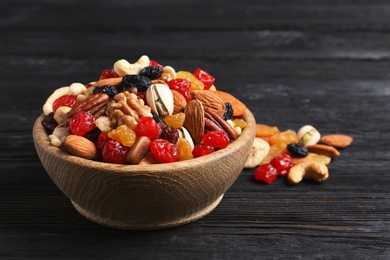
pixel 145 196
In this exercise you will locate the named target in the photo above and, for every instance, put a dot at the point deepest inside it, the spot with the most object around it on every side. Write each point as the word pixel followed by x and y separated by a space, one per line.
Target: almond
pixel 324 149
pixel 337 140
pixel 81 146
pixel 179 102
pixel 209 99
pixel 194 120
pixel 110 81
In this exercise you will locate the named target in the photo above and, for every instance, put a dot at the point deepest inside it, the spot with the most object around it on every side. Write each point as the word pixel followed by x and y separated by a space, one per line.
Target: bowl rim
pixel 41 140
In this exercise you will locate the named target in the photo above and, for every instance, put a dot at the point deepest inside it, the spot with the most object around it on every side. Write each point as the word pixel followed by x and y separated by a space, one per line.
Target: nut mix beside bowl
pixel 144 146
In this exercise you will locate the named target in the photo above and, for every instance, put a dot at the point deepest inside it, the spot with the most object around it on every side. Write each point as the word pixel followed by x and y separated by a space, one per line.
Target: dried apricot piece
pixel 263 130
pixel 285 137
pixel 239 108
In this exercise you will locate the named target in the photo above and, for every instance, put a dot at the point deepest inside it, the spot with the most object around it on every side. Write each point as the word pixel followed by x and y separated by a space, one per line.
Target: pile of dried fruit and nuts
pixel 297 155
pixel 146 113
pixel 143 113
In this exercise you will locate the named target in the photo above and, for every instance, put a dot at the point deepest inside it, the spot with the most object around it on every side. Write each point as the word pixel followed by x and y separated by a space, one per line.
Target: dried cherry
pixel 164 151
pixel 266 173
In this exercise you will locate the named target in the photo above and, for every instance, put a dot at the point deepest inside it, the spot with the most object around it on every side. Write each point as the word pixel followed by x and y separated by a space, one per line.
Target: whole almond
pixel 337 140
pixel 179 102
pixel 323 149
pixel 194 120
pixel 209 99
pixel 81 147
pixel 109 81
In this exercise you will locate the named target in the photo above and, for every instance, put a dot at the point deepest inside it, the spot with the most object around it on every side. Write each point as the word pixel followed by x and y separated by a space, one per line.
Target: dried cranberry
pixel 282 163
pixel 204 77
pixel 114 152
pixel 164 151
pixel 154 63
pixel 148 127
pixel 201 150
pixel 101 141
pixel 183 86
pixel 82 123
pixel 66 101
pixel 110 73
pixel 216 139
pixel 266 173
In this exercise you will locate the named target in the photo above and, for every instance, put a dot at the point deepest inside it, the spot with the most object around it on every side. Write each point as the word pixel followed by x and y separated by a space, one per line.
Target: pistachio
pixel 308 135
pixel 160 99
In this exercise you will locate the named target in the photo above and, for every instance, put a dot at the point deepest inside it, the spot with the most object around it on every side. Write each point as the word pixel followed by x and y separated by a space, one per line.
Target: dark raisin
pixel 109 90
pixel 170 134
pixel 157 118
pixel 228 111
pixel 151 72
pixel 297 150
pixel 93 135
pixel 142 83
pixel 49 123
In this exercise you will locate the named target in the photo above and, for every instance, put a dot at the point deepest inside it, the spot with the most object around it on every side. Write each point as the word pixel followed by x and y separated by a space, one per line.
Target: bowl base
pixel 131 225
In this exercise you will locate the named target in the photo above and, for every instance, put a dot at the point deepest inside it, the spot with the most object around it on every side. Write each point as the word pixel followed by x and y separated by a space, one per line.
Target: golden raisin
pixel 195 83
pixel 184 148
pixel 175 120
pixel 124 135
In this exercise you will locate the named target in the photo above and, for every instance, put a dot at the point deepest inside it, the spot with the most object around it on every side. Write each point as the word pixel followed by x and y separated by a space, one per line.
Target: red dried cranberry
pixel 148 127
pixel 82 123
pixel 64 101
pixel 110 73
pixel 204 77
pixel 266 173
pixel 101 141
pixel 114 152
pixel 154 63
pixel 182 86
pixel 201 150
pixel 216 139
pixel 282 163
pixel 164 151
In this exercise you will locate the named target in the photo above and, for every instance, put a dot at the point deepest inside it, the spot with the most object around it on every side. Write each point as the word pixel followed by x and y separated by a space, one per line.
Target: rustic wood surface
pixel 324 63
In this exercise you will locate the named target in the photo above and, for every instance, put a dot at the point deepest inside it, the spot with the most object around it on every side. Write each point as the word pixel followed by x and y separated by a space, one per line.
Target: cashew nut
pixel 59 133
pixel 60 114
pixel 311 170
pixel 168 73
pixel 123 67
pixel 76 89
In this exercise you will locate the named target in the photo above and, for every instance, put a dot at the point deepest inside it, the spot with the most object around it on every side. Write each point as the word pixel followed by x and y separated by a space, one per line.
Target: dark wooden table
pixel 292 62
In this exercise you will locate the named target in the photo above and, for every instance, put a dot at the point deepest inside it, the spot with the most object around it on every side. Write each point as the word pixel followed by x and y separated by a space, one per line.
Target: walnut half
pixel 127 109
